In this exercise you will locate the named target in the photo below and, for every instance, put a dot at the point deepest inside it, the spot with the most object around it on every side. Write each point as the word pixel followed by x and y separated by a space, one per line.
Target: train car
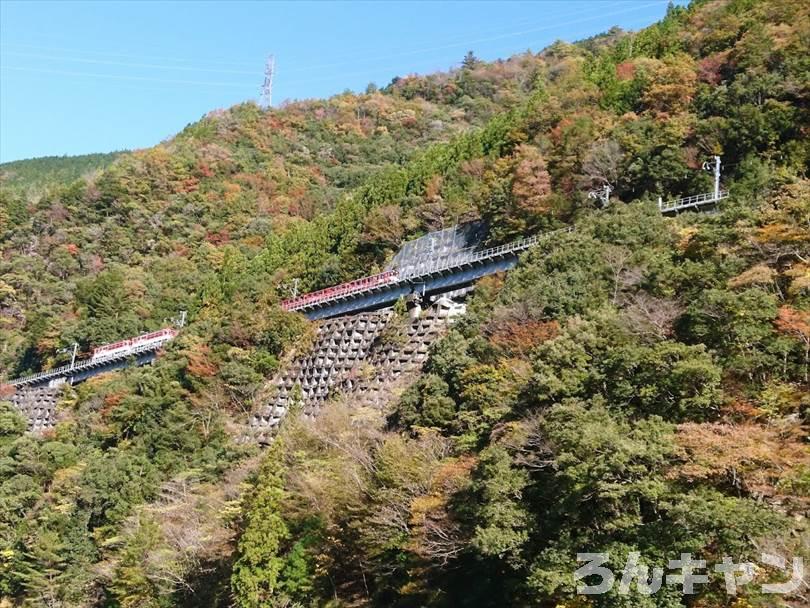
pixel 124 347
pixel 161 335
pixel 110 350
pixel 344 289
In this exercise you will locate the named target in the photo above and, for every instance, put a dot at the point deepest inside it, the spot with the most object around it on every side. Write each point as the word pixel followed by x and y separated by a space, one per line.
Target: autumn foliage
pixel 637 384
pixel 761 461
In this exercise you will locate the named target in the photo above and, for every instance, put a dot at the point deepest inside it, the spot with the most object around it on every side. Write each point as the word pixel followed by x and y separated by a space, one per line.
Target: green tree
pixel 260 560
pixel 504 522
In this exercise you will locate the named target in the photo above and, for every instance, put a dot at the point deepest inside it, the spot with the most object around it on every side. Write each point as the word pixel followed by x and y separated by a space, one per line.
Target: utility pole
pixel 178 321
pixel 267 86
pixel 707 166
pixel 74 351
pixel 603 194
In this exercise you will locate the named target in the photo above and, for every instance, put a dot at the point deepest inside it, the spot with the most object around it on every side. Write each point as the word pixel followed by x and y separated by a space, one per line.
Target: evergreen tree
pixel 260 560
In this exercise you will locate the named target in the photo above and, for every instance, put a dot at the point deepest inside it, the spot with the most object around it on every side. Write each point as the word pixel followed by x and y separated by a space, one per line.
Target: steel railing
pixel 363 285
pixel 342 290
pixel 692 201
pixel 391 277
pixel 461 258
pixel 69 370
pixel 469 255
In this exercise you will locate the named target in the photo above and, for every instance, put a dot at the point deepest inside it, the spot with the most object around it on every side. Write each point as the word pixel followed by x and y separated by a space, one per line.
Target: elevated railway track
pixel 446 272
pixel 109 357
pixel 436 264
pixel 438 275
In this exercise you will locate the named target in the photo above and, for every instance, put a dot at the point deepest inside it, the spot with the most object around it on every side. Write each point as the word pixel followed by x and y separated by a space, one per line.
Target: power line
pixel 126 64
pixel 116 77
pixel 372 57
pixel 236 94
pixel 353 56
pixel 470 42
pixel 359 58
pixel 306 81
pixel 114 54
pixel 460 43
pixel 542 44
pixel 467 43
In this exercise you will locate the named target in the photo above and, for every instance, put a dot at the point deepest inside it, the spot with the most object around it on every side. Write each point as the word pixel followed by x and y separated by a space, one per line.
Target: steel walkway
pixel 691 202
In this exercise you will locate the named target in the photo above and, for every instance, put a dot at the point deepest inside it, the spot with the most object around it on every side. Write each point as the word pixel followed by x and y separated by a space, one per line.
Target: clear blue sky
pixel 80 77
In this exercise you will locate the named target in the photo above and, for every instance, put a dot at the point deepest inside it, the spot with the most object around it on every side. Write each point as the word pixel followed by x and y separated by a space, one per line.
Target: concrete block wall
pixel 351 355
pixel 395 366
pixel 341 345
pixel 38 405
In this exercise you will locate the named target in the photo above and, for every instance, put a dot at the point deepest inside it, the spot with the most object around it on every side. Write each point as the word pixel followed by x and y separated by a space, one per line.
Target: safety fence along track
pixel 691 202
pixel 96 363
pixel 456 261
pixel 341 291
pixel 461 261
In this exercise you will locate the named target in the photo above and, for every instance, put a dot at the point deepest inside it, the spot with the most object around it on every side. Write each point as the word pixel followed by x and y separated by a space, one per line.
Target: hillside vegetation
pixel 638 385
pixel 40 173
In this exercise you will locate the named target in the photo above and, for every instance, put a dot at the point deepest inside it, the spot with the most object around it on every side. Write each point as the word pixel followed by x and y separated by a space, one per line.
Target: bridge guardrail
pixel 464 256
pixel 692 201
pixel 67 370
pixel 461 257
pixel 356 286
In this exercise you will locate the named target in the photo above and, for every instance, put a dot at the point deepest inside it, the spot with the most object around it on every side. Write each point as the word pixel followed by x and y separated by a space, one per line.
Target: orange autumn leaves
pixel 766 462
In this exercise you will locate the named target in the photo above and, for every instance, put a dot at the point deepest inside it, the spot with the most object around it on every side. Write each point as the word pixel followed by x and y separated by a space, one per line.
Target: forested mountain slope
pixel 638 385
pixel 40 173
pixel 219 194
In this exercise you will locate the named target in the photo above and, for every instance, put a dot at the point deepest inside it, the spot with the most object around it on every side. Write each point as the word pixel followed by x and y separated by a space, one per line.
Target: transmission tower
pixel 267 86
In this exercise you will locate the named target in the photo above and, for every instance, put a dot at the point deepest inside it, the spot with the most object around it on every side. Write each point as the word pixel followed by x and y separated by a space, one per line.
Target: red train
pixel 344 289
pixel 123 347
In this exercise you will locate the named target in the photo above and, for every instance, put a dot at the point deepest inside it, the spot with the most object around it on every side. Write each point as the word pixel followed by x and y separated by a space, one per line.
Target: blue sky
pixel 80 77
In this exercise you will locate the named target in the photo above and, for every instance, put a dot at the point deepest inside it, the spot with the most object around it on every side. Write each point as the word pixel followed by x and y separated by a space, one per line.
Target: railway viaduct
pixel 429 271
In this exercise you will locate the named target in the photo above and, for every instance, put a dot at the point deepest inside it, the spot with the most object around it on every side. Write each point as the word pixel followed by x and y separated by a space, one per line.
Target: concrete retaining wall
pixel 373 356
pixel 38 405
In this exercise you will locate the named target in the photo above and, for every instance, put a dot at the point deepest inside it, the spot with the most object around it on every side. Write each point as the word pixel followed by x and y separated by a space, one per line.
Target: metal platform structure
pixel 139 354
pixel 696 202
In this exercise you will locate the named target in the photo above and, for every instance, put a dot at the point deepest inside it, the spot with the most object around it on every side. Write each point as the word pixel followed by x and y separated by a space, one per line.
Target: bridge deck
pixel 462 266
